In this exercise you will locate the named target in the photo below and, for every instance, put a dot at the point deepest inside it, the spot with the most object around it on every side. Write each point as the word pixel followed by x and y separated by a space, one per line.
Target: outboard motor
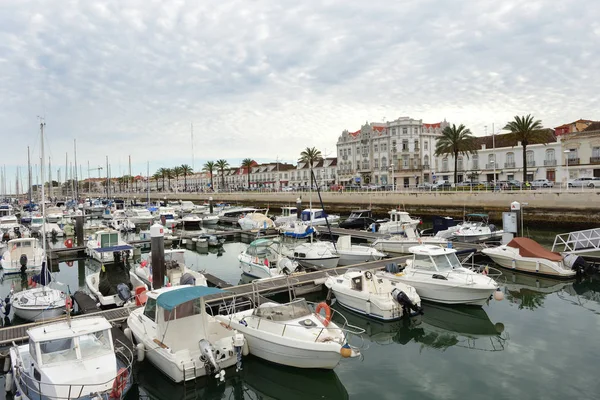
pixel 123 292
pixel 23 262
pixel 286 265
pixel 187 279
pixel 576 263
pixel 405 302
pixel 208 357
pixel 492 227
pixel 17 232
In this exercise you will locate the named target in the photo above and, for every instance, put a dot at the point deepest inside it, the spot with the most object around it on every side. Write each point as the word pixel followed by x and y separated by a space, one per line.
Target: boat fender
pixel 128 334
pixel 8 381
pixel 141 352
pixel 123 292
pixel 245 348
pixel 68 303
pixel 498 295
pixel 6 364
pixel 346 351
pixel 324 306
pixel 119 383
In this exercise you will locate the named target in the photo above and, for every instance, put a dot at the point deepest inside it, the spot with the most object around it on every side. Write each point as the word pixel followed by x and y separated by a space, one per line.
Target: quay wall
pixel 546 209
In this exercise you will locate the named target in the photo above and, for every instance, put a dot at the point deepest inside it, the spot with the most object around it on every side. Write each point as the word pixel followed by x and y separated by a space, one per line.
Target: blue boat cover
pixel 171 299
pixel 122 247
pixel 295 235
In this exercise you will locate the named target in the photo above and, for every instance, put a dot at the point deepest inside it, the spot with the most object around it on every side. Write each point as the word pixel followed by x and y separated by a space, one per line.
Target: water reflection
pixel 585 293
pixel 529 291
pixel 440 327
pixel 257 380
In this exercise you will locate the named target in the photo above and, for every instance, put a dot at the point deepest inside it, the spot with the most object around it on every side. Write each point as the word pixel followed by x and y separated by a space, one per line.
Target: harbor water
pixel 540 342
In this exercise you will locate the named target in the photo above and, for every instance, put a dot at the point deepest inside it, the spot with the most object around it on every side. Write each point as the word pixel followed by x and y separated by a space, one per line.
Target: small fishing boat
pixel 191 221
pixel 121 222
pixel 177 273
pixel 438 276
pixel 263 259
pixel 292 334
pixel 397 223
pixel 39 303
pixel 358 219
pixel 401 243
pixel 354 254
pixel 374 296
pixel 255 221
pixel 288 215
pixel 319 255
pixel 23 255
pixel 475 228
pixel 208 219
pixel 318 217
pixel 139 216
pixel 164 327
pixel 73 359
pixel 103 243
pixel 524 254
pixel 167 217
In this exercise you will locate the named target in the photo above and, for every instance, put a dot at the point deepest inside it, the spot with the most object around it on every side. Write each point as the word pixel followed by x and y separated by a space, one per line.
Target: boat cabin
pixel 5 210
pixel 400 217
pixel 289 211
pixel 25 246
pixel 360 214
pixel 434 258
pixel 311 214
pixel 62 353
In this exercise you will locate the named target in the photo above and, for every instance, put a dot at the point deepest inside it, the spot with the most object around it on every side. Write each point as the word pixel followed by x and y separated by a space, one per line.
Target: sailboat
pixel 42 302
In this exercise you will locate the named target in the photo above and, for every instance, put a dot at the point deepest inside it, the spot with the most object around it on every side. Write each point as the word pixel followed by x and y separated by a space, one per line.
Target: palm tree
pixel 221 165
pixel 162 172
pixel 186 170
pixel 525 130
pixel 455 141
pixel 157 175
pixel 177 171
pixel 209 167
pixel 247 163
pixel 309 156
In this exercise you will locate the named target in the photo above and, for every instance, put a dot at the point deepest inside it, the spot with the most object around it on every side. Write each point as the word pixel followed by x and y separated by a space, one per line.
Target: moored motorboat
pixel 397 223
pixel 318 217
pixel 255 220
pixel 71 359
pixel 319 255
pixel 401 243
pixel 263 259
pixel 163 328
pixel 438 276
pixel 292 334
pixel 22 255
pixel 374 296
pixel 176 272
pixel 103 243
pixel 351 254
pixel 524 254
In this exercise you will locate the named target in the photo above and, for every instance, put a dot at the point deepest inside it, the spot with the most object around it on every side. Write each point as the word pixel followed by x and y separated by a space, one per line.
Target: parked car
pixel 585 182
pixel 513 183
pixel 441 185
pixel 288 189
pixel 424 186
pixel 539 183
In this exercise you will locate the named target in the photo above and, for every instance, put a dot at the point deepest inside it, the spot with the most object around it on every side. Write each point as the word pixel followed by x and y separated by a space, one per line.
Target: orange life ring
pixel 324 306
pixel 69 263
pixel 119 384
pixel 69 243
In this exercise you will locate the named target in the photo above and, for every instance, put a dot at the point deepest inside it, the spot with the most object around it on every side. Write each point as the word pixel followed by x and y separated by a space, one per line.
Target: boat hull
pixel 351 258
pixel 530 265
pixel 318 263
pixel 449 294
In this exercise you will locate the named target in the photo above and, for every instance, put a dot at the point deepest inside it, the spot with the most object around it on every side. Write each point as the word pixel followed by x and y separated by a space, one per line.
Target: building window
pixel 405 145
pixel 475 162
pixel 460 163
pixel 491 158
pixel 405 131
pixel 376 163
pixel 383 162
pixel 425 144
pixel 510 158
pixel 394 131
pixel 529 158
pixel 365 164
pixel 383 146
pixel 445 164
pixel 426 161
pixel 416 145
pixel 550 155
pixel 349 152
pixel 572 154
pixel 405 162
pixel 375 148
pixel 393 144
pixel 595 152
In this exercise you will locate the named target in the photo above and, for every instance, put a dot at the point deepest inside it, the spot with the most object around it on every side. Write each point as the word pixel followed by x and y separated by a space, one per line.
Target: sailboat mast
pixel 192 129
pixel 42 124
pixel 29 173
pixel 148 184
pixel 76 179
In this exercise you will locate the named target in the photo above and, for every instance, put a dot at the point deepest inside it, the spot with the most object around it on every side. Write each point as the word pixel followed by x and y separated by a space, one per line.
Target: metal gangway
pixel 584 243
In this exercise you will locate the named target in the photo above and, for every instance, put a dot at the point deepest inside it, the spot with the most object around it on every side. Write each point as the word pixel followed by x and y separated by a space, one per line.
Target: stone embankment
pixel 542 208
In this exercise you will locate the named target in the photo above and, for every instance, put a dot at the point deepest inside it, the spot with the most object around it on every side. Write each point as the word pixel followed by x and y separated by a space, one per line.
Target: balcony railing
pixel 509 165
pixel 573 161
pixel 550 163
pixel 531 163
pixel 475 165
pixel 594 160
pixel 489 166
pixel 425 166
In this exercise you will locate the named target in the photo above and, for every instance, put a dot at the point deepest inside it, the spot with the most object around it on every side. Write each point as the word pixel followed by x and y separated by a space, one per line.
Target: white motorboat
pixel 288 215
pixel 177 273
pixel 8 222
pixel 107 213
pixel 233 214
pixel 403 242
pixel 54 214
pixel 180 338
pixel 71 359
pixel 255 221
pixel 17 232
pixel 292 334
pixel 167 217
pixel 263 259
pixel 114 285
pixel 191 221
pixel 354 254
pixel 208 219
pixel 524 254
pixel 40 225
pixel 140 216
pixel 374 296
pixel 36 224
pixel 121 222
pixel 320 255
pixel 317 217
pixel 213 240
pixel 438 276
pixel 39 303
pixel 23 255
pixel 398 220
pixel 475 228
pixel 102 244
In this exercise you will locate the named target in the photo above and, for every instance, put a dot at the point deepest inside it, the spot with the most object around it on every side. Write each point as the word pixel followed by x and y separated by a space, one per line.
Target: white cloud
pixel 264 79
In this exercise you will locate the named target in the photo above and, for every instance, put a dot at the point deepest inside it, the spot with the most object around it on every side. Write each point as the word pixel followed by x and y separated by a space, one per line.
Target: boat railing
pixel 32 386
pixel 588 239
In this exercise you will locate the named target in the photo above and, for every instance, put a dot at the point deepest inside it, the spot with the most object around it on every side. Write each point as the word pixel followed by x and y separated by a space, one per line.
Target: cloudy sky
pixel 264 79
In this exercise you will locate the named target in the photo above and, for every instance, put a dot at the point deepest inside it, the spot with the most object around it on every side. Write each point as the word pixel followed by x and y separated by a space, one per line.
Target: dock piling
pixel 157 235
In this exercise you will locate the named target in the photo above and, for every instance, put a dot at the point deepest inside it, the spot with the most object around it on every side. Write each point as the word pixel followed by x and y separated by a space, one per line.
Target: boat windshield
pixel 446 262
pixel 37 220
pixel 176 256
pixel 95 344
pixel 109 239
pixel 284 312
pixel 354 215
pixel 58 350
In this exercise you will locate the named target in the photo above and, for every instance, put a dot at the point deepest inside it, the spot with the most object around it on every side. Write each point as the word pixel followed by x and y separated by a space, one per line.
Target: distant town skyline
pixel 265 80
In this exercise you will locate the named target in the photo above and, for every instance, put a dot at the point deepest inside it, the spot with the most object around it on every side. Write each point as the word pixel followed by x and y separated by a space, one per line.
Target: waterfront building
pixel 577 126
pixel 270 175
pixel 397 152
pixel 326 172
pixel 581 153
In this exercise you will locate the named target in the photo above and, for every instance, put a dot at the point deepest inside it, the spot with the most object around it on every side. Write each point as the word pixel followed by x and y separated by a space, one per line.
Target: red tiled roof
pixel 354 134
pixel 379 128
pixel 436 125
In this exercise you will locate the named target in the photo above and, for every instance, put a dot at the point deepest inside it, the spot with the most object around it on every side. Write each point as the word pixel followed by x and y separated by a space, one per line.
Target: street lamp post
pixel 567 162
pixel 392 177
